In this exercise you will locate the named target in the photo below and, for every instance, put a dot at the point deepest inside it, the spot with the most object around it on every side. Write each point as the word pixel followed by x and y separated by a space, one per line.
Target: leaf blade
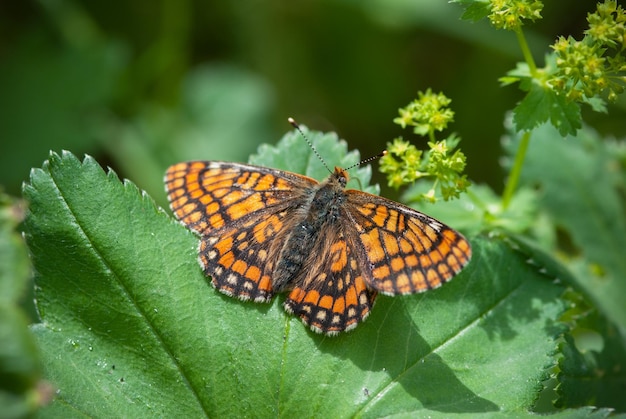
pixel 133 296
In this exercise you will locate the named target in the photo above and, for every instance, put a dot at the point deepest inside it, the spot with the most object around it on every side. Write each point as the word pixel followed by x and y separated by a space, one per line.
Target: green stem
pixel 528 57
pixel 513 180
pixel 431 135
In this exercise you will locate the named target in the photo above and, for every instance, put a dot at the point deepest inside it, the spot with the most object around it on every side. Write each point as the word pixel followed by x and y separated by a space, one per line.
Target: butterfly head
pixel 341 175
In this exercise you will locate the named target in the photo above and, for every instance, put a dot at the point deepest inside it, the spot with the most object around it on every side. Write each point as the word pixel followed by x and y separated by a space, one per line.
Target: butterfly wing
pixel 404 250
pixel 331 295
pixel 207 196
pixel 242 215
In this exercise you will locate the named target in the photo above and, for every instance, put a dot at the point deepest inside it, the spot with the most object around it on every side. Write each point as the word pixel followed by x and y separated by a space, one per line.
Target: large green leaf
pixel 130 326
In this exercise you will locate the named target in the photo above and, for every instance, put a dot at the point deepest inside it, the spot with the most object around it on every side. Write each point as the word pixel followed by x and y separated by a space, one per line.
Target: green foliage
pixel 585 201
pixel 21 389
pixel 577 193
pixel 571 199
pixel 578 72
pixel 542 103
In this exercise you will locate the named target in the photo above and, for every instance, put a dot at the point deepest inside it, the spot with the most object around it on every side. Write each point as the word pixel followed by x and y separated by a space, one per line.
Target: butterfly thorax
pixel 328 199
pixel 322 214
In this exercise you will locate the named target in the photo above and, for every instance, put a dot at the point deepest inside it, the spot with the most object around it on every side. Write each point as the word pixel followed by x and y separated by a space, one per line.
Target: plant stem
pixel 528 57
pixel 431 135
pixel 513 180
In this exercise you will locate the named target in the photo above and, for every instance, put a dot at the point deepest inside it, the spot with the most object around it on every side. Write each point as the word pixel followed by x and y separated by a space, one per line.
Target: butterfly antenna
pixel 296 126
pixel 367 160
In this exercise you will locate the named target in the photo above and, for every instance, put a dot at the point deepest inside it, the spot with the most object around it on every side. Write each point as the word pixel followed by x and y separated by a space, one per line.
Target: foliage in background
pixel 22 391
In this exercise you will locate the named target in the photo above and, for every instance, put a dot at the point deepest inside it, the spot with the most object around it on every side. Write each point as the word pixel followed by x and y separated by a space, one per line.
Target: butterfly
pixel 265 231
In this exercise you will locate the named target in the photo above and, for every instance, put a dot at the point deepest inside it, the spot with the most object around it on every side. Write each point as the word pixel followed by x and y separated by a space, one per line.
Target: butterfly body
pixel 320 212
pixel 265 231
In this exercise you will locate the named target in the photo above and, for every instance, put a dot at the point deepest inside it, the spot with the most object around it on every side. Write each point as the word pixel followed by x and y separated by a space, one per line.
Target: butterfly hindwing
pixel 331 295
pixel 241 261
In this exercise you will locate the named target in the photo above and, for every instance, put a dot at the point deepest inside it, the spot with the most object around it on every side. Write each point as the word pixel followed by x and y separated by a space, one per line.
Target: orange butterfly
pixel 265 231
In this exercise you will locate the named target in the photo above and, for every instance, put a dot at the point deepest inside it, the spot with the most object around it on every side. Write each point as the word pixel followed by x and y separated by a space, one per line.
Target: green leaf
pixel 474 9
pixel 20 370
pixel 132 328
pixel 595 377
pixel 542 104
pixel 580 182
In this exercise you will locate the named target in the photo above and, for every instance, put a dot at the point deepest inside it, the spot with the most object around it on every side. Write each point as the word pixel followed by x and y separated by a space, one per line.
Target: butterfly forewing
pixel 206 196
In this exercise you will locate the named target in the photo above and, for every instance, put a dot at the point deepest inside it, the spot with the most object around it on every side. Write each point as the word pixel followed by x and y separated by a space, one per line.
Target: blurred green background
pixel 141 84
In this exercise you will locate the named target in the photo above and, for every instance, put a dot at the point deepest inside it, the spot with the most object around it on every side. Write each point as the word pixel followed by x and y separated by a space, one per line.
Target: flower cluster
pixel 427 114
pixel 596 64
pixel 509 14
pixel 404 163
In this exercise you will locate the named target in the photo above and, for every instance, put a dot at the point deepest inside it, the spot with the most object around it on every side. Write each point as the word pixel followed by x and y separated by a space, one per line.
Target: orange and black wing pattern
pixel 331 295
pixel 406 251
pixel 265 231
pixel 209 195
